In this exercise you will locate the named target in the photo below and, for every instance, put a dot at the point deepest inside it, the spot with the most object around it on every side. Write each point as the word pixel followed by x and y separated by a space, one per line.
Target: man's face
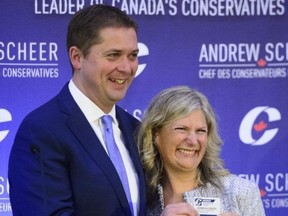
pixel 105 74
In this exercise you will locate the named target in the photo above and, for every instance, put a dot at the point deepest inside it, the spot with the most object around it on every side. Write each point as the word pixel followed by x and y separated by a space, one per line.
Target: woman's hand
pixel 183 209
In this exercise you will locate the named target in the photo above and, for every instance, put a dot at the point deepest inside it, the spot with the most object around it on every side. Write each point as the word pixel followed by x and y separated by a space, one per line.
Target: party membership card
pixel 207 205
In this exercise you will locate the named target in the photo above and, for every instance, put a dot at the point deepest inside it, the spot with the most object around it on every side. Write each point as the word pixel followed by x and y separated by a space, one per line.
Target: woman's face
pixel 182 143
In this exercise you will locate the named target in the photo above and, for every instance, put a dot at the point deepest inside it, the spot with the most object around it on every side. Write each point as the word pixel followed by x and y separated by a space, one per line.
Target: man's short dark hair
pixel 84 27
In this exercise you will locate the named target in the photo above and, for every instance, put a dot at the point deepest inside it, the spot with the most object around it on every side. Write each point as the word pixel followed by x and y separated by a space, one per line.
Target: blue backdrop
pixel 234 51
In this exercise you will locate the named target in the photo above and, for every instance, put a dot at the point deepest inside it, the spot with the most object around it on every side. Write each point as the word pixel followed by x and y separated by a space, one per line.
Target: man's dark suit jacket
pixel 58 166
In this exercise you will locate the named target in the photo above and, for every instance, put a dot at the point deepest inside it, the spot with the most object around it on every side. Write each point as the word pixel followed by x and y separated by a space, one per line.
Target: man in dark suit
pixel 59 163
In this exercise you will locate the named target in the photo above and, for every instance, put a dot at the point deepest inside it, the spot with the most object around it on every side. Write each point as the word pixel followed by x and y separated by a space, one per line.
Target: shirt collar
pixel 91 111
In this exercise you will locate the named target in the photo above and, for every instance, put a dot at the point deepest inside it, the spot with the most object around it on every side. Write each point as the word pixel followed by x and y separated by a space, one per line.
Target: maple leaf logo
pixel 260 126
pixel 261 63
pixel 262 192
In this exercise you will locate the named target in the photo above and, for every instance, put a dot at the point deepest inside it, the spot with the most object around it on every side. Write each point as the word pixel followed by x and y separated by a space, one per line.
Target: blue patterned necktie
pixel 115 155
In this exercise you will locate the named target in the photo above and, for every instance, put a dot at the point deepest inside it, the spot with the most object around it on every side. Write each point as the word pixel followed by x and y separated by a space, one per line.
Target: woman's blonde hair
pixel 170 105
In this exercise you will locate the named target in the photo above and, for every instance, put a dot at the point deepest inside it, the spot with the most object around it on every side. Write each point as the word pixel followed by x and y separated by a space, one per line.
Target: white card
pixel 207 205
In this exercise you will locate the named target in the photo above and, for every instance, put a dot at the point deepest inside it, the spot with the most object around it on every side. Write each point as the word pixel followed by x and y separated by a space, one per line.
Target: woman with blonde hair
pixel 179 147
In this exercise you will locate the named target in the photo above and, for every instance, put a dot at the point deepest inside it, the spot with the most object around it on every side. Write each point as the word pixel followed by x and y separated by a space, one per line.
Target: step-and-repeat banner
pixel 234 51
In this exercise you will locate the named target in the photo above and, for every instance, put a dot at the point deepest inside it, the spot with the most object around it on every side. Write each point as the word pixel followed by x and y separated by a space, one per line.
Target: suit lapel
pixel 129 127
pixel 90 142
pixel 127 131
